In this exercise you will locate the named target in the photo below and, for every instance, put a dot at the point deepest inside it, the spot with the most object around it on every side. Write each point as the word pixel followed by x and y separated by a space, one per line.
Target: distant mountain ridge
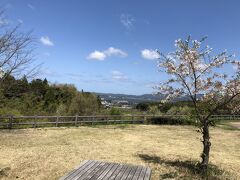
pixel 134 99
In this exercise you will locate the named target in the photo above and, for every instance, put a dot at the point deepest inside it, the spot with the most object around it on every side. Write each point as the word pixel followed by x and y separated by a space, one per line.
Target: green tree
pixel 84 104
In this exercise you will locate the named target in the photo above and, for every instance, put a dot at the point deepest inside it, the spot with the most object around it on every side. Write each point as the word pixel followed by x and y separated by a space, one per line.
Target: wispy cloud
pixel 20 21
pixel 46 41
pixel 149 54
pixel 48 72
pixel 102 55
pixel 115 52
pixel 116 75
pixel 127 21
pixel 3 21
pixel 31 6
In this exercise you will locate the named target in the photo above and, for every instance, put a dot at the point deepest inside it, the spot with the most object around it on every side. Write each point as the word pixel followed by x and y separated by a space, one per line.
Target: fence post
pixel 10 122
pixel 144 119
pixel 92 120
pixel 35 123
pixel 76 119
pixel 57 121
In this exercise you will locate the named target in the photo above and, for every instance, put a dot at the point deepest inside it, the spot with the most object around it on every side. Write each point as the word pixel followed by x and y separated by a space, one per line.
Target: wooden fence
pixel 49 121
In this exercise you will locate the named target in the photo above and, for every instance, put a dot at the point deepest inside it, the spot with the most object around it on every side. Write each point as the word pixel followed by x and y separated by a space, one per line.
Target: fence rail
pixel 45 121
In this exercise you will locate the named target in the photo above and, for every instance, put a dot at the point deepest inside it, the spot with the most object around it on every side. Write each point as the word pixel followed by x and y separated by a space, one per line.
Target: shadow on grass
pixel 115 126
pixel 188 168
pixel 4 172
pixel 228 126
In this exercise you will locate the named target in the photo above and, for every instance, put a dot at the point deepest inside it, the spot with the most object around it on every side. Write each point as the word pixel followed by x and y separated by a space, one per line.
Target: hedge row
pixel 172 121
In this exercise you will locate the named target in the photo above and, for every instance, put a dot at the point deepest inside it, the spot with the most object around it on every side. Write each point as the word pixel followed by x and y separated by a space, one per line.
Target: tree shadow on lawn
pixel 187 168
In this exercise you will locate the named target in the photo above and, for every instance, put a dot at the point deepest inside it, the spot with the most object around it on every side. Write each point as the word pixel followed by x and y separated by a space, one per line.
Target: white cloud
pixel 116 75
pixel 97 55
pixel 115 52
pixel 127 20
pixel 102 55
pixel 149 54
pixel 31 6
pixel 46 41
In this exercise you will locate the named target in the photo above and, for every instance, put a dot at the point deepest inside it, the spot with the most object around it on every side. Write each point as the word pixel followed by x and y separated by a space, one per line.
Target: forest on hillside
pixel 39 97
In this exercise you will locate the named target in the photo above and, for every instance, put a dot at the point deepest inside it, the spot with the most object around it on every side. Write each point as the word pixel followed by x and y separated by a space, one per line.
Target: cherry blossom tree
pixel 193 70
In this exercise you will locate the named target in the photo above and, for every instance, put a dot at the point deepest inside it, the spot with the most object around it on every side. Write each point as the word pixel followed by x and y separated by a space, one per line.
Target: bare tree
pixel 192 70
pixel 16 57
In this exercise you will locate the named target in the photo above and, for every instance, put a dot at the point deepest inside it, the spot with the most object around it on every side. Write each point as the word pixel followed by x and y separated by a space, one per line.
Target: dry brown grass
pixel 51 152
pixel 235 124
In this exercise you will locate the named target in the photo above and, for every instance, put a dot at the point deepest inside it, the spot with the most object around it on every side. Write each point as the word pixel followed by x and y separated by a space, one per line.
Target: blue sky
pixel 107 46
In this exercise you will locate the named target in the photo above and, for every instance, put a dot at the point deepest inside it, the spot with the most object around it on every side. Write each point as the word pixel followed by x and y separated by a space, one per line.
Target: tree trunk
pixel 206 146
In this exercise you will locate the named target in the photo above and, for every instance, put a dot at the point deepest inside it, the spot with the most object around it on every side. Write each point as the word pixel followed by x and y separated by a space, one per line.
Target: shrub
pixel 172 120
pixel 115 111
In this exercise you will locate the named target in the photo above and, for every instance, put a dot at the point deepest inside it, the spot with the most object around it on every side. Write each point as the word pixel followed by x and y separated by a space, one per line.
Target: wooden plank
pixel 100 166
pixel 75 169
pixel 132 172
pixel 108 175
pixel 101 170
pixel 105 171
pixel 126 173
pixel 137 173
pixel 116 172
pixel 142 174
pixel 88 172
pixel 83 171
pixel 147 174
pixel 79 170
pixel 120 174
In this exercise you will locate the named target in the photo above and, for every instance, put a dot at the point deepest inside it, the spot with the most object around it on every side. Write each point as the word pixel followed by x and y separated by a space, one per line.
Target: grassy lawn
pixel 170 151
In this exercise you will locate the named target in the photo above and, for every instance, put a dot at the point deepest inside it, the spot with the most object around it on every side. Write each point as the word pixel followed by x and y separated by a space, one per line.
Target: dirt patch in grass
pixel 171 151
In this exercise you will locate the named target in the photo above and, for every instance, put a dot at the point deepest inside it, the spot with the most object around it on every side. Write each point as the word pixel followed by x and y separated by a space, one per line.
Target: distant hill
pixel 132 99
pixel 135 99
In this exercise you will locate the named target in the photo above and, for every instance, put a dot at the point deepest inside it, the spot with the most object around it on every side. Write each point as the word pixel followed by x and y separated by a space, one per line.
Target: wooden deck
pixel 97 170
